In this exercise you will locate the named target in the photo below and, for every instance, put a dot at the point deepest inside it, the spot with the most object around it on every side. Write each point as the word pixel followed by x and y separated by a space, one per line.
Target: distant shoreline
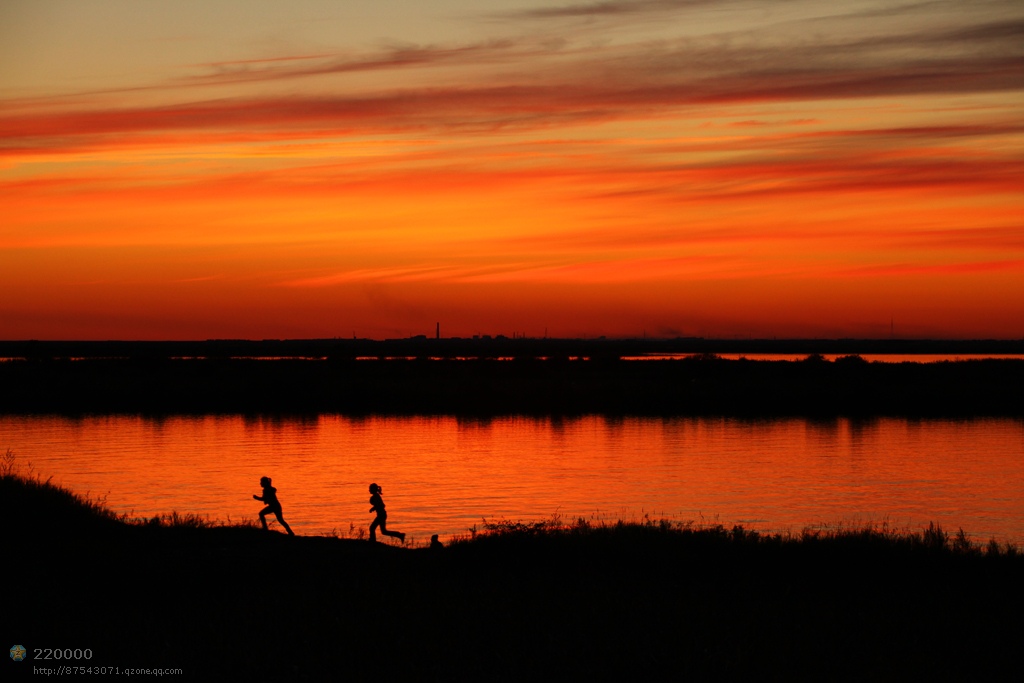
pixel 487 346
pixel 556 384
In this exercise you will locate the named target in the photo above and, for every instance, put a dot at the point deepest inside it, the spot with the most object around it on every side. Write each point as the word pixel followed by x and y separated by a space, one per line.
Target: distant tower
pixel 437 331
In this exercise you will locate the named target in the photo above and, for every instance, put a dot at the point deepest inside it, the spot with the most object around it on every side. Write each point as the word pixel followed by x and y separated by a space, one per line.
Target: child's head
pixel 264 481
pixel 374 488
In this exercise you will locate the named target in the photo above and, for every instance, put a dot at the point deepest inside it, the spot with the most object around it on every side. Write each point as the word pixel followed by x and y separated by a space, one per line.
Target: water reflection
pixel 444 475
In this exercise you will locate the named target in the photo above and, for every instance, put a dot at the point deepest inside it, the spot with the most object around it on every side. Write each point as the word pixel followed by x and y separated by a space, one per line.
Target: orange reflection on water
pixel 445 475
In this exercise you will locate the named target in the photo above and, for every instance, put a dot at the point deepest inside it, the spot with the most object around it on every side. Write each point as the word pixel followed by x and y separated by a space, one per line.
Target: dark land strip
pixel 494 347
pixel 554 386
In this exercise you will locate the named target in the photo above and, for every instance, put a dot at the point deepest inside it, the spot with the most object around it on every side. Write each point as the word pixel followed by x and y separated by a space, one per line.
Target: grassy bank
pixel 515 602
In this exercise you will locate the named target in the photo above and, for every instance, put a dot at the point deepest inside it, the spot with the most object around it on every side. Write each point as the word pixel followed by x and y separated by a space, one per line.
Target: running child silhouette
pixel 273 505
pixel 377 505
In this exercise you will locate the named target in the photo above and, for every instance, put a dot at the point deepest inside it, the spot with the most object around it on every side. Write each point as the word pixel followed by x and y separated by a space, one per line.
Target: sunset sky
pixel 317 168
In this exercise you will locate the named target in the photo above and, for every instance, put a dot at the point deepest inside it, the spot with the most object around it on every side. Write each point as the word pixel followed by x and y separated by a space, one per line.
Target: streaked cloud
pixel 395 58
pixel 959 268
pixel 614 8
pixel 560 86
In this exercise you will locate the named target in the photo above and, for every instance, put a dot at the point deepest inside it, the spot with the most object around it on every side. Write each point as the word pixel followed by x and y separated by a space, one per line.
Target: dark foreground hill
pixel 521 602
pixel 695 385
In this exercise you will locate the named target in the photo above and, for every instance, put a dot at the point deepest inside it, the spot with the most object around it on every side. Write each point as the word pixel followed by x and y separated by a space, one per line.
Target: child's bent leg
pixel 394 534
pixel 263 516
pixel 280 518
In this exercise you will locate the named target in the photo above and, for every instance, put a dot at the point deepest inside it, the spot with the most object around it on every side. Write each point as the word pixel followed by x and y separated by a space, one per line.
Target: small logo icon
pixel 18 653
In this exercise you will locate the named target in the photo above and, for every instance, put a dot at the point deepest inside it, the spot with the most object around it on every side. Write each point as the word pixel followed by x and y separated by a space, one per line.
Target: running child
pixel 273 505
pixel 377 505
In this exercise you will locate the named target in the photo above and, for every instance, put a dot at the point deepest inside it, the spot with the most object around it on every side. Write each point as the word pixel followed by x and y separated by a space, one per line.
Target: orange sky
pixel 623 167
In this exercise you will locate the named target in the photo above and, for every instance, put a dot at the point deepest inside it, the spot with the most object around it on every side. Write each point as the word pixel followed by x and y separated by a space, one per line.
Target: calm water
pixel 444 475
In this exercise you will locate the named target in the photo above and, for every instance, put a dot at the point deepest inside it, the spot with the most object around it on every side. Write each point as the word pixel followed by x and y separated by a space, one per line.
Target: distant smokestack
pixel 437 332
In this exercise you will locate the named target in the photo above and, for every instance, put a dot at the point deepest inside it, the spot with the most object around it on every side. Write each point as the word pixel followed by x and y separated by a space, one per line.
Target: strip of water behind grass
pixel 43 506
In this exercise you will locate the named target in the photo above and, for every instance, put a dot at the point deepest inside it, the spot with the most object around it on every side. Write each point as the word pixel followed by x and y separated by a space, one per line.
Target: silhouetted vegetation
pixel 490 347
pixel 45 508
pixel 702 384
pixel 514 601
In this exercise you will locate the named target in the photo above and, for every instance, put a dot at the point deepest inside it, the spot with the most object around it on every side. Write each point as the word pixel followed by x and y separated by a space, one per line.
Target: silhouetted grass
pixel 866 537
pixel 41 506
pixel 46 506
pixel 576 600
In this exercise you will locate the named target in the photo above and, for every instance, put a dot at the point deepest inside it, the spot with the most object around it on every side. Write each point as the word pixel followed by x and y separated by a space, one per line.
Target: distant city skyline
pixel 671 168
